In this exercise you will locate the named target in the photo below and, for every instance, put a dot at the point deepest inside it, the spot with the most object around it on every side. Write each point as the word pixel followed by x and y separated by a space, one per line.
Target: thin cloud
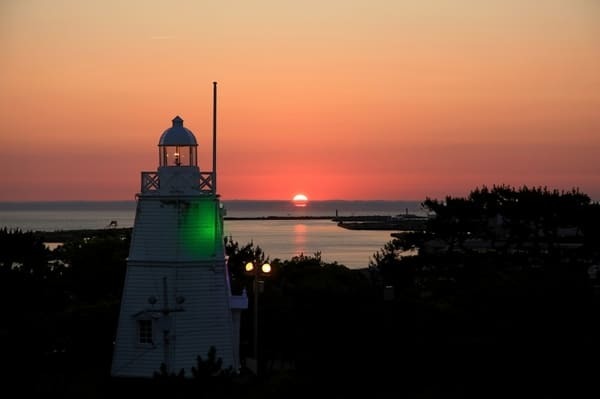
pixel 162 37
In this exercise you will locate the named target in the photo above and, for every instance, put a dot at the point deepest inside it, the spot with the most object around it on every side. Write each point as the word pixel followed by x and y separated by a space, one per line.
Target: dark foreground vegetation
pixel 502 301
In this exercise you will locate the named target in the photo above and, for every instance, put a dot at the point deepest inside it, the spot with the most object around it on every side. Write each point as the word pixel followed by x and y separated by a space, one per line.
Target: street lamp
pixel 258 285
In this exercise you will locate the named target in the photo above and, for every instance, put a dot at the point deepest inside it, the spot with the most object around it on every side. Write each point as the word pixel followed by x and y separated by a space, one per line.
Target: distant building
pixel 177 301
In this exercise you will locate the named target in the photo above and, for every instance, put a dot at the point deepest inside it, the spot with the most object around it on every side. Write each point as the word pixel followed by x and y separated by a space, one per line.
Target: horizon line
pixel 222 199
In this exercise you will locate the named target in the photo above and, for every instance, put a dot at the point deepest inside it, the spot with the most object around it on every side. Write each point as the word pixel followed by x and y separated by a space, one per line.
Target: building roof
pixel 177 135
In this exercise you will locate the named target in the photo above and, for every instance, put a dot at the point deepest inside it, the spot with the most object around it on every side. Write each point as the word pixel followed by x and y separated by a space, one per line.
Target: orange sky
pixel 335 99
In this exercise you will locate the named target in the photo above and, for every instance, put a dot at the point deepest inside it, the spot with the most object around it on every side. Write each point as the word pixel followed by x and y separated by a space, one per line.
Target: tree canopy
pixel 503 279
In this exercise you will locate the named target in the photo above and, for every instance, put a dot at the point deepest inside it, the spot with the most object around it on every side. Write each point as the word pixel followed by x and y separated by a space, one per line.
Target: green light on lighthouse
pixel 200 233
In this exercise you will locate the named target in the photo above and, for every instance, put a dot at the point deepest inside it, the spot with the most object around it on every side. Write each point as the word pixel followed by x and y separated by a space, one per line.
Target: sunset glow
pixel 347 100
pixel 300 200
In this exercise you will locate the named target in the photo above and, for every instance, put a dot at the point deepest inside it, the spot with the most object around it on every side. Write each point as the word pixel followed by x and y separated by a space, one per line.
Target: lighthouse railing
pixel 151 182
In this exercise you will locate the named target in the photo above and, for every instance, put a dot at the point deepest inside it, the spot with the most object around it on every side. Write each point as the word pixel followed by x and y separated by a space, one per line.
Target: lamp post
pixel 256 272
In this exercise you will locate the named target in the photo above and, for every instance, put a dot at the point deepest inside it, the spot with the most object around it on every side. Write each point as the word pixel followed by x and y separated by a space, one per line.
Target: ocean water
pixel 281 239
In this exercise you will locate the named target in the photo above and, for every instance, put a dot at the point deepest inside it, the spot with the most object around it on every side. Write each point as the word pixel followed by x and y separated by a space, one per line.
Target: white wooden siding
pixel 162 232
pixel 159 254
pixel 205 319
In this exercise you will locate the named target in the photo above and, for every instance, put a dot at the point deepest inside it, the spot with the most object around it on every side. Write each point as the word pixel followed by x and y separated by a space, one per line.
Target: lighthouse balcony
pixel 151 183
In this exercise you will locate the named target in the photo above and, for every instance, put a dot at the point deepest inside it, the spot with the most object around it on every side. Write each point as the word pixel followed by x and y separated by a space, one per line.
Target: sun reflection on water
pixel 300 231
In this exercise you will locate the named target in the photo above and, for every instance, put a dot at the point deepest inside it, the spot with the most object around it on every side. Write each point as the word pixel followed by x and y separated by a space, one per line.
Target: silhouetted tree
pixel 212 366
pixel 506 266
pixel 238 256
pixel 96 266
pixel 164 374
pixel 23 251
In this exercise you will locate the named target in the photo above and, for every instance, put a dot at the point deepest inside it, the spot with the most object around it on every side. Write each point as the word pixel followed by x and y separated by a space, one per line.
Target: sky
pixel 335 99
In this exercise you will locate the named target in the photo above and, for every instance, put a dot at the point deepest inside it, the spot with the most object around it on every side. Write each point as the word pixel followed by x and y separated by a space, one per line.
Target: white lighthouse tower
pixel 177 301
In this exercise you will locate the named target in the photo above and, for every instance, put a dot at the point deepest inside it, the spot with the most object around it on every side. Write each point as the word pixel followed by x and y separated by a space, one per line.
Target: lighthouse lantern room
pixel 177 146
pixel 176 301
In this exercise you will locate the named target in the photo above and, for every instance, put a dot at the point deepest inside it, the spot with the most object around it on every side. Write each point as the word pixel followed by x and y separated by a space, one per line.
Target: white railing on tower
pixel 151 182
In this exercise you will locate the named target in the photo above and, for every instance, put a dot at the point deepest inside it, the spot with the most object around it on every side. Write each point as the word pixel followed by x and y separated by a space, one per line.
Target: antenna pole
pixel 214 157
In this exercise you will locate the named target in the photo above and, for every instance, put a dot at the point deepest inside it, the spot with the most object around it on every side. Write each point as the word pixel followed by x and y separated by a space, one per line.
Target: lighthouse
pixel 177 301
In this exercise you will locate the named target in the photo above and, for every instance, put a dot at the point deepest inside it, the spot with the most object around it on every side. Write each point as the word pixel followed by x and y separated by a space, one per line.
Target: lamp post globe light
pixel 265 268
pixel 257 271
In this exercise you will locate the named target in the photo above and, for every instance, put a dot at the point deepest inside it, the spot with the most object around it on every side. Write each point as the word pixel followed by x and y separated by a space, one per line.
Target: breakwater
pixel 363 222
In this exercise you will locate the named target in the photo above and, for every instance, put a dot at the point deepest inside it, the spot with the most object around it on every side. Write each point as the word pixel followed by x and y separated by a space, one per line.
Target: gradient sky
pixel 336 99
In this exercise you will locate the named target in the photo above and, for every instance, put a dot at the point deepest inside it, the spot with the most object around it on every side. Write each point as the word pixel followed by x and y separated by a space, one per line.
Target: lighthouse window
pixel 145 331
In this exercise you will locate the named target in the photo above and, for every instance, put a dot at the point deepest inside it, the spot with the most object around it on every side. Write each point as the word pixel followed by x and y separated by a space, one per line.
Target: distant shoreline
pixel 67 235
pixel 372 222
pixel 279 217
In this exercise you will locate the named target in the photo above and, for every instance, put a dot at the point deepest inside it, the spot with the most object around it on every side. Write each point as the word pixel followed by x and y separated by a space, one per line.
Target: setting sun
pixel 300 200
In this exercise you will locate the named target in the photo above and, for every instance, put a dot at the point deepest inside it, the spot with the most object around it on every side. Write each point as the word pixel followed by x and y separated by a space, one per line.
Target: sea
pixel 278 238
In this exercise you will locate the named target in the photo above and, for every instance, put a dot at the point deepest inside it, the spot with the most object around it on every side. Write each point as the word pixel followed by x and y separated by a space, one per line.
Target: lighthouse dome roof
pixel 177 135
